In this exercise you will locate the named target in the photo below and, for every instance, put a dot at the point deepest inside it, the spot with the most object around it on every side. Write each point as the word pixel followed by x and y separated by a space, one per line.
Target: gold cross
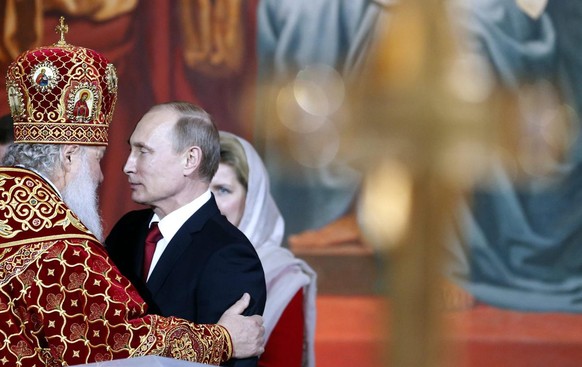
pixel 62 28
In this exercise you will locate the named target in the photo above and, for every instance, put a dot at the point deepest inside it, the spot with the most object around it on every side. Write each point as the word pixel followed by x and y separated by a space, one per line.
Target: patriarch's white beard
pixel 81 196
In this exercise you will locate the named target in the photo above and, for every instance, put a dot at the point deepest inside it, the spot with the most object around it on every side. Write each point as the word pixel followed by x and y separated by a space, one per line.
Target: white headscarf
pixel 285 274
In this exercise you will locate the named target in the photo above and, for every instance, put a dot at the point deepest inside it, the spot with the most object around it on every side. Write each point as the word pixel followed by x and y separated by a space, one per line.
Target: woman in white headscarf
pixel 241 189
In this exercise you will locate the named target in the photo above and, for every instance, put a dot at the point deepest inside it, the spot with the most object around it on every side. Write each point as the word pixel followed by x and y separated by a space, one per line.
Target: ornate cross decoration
pixel 62 28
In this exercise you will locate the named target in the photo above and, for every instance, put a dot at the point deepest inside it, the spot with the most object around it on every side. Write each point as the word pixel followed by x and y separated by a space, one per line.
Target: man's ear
pixel 67 153
pixel 193 157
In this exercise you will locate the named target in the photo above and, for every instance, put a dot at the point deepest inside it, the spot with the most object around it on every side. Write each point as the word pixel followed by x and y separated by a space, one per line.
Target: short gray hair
pixel 195 128
pixel 44 158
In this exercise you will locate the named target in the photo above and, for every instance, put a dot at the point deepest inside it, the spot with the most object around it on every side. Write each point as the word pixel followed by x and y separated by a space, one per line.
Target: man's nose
pixel 129 166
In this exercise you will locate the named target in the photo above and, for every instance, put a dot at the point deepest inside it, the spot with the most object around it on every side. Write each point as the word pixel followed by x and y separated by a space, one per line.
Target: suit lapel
pixel 179 243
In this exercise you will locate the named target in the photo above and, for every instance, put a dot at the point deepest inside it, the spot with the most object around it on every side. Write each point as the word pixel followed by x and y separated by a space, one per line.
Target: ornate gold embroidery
pixel 61 94
pixel 27 203
pixel 6 230
pixel 70 219
pixel 184 348
pixel 47 282
pixel 30 205
pixel 12 265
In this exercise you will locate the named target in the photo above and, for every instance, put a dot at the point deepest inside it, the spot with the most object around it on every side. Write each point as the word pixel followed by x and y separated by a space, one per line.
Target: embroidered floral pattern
pixel 97 311
pixel 76 280
pixel 54 301
pixel 22 349
pixel 78 331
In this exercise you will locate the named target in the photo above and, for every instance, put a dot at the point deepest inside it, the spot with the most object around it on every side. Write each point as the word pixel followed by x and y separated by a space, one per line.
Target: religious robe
pixel 62 301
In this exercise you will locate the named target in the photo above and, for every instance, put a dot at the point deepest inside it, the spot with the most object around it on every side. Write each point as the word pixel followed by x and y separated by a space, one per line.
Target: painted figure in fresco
pixel 317 202
pixel 520 242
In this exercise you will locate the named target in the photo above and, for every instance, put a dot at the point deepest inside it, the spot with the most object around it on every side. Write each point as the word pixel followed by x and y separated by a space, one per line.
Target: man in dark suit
pixel 200 263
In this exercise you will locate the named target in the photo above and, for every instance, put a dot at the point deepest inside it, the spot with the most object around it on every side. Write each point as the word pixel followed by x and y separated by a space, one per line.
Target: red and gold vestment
pixel 63 302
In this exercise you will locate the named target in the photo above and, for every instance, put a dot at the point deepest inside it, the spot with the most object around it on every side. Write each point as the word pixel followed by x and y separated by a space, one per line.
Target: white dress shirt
pixel 172 222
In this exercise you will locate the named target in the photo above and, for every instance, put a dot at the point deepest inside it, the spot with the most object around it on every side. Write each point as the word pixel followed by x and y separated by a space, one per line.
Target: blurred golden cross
pixel 427 122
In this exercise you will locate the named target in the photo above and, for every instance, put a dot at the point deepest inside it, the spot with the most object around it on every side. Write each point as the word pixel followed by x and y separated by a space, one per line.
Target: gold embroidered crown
pixel 61 94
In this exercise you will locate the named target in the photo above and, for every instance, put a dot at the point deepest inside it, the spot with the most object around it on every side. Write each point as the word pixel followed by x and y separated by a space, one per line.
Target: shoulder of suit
pixel 137 215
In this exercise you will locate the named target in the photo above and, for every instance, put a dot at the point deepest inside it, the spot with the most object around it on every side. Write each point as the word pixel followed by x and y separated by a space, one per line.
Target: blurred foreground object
pixel 425 126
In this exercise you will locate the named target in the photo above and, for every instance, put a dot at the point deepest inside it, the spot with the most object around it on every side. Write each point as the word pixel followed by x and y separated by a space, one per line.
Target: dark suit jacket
pixel 207 267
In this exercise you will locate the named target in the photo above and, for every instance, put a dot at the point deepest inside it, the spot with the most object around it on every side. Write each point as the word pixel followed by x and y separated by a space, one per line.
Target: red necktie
pixel 154 235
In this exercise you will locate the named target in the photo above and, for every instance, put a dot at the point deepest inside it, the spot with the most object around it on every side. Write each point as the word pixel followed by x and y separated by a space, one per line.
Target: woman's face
pixel 230 194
